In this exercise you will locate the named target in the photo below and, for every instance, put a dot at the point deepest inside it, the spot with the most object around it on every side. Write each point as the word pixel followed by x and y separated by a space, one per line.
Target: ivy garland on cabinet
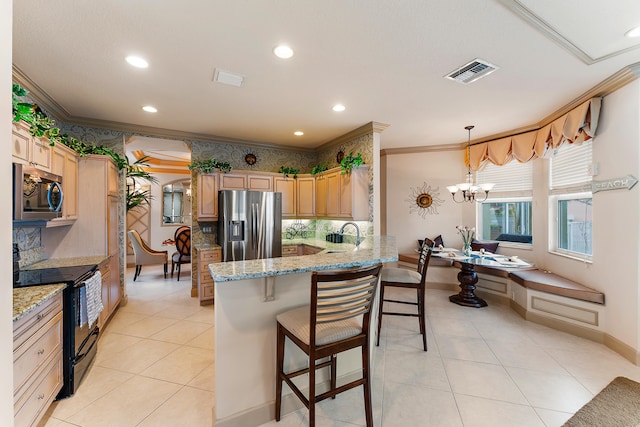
pixel 42 126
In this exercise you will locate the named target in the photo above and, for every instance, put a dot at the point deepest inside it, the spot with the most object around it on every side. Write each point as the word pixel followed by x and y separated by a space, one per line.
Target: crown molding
pixel 366 129
pixel 546 29
pixel 611 84
pixel 139 154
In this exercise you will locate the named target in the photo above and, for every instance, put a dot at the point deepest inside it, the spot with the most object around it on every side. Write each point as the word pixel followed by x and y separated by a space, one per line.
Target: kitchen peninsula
pixel 248 296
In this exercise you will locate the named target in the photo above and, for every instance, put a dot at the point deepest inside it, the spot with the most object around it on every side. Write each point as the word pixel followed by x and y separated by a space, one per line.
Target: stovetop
pixel 48 276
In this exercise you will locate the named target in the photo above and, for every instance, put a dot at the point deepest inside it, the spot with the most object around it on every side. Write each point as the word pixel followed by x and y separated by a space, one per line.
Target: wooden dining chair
pixel 404 278
pixel 183 249
pixel 337 319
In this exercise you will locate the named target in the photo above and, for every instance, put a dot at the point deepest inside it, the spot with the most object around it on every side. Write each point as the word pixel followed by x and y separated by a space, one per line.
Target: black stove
pixel 48 276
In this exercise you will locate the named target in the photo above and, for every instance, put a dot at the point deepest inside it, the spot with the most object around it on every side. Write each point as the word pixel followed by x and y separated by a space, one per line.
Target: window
pixel 507 215
pixel 571 200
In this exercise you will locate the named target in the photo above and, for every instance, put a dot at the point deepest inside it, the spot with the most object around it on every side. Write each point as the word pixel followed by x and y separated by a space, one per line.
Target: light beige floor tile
pixel 482 380
pixel 453 327
pixel 175 310
pixel 204 340
pixel 205 380
pixel 326 422
pixel 139 356
pixel 465 348
pixel 98 382
pixel 146 327
pixel 348 406
pixel 126 405
pixel 417 367
pixel 204 315
pixel 587 364
pixel 112 343
pixel 526 355
pixel 188 407
pixel 180 332
pixel 479 412
pixel 181 365
pixel 142 306
pixel 409 405
pixel 553 418
pixel 124 320
pixel 54 422
pixel 290 420
pixel 551 391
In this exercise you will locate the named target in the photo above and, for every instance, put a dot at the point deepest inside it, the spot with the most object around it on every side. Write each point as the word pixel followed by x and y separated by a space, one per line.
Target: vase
pixel 466 249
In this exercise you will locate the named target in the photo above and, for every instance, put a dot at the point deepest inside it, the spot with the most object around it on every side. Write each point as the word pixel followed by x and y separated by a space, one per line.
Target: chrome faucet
pixel 357 231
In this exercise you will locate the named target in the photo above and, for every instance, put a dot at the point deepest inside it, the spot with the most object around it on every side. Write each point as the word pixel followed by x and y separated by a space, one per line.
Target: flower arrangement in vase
pixel 467 234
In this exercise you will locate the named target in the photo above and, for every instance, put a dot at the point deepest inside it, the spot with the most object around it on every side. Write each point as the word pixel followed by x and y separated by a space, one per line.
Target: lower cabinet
pixel 299 249
pixel 37 362
pixel 205 282
pixel 110 289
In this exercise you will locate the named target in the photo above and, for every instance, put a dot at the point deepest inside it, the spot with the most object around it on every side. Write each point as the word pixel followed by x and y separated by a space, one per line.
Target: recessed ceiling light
pixel 339 107
pixel 298 133
pixel 282 51
pixel 634 32
pixel 136 61
pixel 150 109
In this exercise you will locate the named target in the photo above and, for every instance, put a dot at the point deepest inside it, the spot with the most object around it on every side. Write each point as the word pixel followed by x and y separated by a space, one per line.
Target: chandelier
pixel 469 191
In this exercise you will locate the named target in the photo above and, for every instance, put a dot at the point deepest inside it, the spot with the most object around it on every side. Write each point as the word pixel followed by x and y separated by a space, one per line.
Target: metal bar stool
pixel 337 319
pixel 403 278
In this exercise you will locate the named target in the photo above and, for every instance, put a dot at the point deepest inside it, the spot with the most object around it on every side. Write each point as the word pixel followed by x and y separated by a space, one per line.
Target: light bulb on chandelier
pixel 470 192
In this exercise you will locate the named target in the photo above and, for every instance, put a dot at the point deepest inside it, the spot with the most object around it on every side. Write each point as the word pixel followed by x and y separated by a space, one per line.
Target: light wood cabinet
pixel 65 163
pixel 286 186
pixel 261 182
pixel 205 282
pixel 306 197
pixel 230 181
pixel 37 361
pixel 207 194
pixel 289 250
pixel 343 196
pixel 29 150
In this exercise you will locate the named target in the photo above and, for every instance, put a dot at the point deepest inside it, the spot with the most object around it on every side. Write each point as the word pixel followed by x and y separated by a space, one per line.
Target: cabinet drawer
pixel 290 250
pixel 32 406
pixel 29 324
pixel 29 357
pixel 207 291
pixel 210 256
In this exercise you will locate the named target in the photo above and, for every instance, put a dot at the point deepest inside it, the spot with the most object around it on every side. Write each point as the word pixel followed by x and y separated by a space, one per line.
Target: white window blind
pixel 509 178
pixel 570 166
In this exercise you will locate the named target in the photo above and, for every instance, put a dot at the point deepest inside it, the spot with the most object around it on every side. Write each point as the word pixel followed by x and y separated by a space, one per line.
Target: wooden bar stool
pixel 403 278
pixel 336 320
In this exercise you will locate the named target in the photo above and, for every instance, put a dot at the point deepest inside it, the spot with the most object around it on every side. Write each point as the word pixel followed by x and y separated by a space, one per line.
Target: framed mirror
pixel 176 202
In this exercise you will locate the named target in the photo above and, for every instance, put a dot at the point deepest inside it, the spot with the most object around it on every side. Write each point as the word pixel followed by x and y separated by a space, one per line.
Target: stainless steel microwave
pixel 37 194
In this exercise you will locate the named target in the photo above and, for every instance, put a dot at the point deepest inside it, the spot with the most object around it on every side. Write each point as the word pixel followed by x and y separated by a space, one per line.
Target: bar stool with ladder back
pixel 404 278
pixel 337 319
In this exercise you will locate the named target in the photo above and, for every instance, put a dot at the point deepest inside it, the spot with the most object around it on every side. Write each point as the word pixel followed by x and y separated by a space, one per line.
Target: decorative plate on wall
pixel 424 200
pixel 250 159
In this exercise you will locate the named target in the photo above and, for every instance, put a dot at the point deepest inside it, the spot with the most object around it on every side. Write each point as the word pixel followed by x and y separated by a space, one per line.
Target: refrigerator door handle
pixel 254 229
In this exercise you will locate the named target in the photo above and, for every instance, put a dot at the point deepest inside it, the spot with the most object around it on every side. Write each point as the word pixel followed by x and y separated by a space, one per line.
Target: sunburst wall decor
pixel 424 200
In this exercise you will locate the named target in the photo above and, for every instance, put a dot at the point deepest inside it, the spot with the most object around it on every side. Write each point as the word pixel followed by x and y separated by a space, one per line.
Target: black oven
pixel 80 340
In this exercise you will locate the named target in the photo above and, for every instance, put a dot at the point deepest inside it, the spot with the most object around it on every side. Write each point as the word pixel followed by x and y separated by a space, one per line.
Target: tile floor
pixel 484 367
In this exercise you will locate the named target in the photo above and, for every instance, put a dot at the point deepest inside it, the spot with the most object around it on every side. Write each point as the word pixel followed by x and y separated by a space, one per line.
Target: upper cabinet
pixel 29 150
pixel 343 196
pixel 327 195
pixel 65 164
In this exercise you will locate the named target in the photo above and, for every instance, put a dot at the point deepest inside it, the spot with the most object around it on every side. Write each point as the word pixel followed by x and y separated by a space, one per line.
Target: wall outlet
pixel 207 230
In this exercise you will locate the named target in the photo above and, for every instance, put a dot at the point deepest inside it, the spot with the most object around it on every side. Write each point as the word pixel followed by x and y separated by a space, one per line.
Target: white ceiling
pixel 384 59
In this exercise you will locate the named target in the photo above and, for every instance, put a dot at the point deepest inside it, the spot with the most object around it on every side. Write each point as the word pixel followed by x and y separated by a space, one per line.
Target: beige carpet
pixel 618 404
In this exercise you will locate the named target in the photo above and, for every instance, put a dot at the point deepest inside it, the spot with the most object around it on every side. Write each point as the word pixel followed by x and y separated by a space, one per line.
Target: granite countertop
pixel 371 251
pixel 205 246
pixel 66 262
pixel 27 299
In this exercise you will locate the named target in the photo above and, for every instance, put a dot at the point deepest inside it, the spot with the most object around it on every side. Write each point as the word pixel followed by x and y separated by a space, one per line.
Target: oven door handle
pixel 82 355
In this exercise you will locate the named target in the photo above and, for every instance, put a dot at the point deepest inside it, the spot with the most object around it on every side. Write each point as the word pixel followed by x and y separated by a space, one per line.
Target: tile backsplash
pixel 30 243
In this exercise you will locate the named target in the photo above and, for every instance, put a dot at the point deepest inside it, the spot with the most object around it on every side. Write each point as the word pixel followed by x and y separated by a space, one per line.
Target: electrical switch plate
pixel 207 230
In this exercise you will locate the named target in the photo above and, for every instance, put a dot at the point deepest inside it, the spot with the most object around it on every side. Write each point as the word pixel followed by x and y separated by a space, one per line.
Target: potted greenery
pixel 349 162
pixel 319 168
pixel 134 173
pixel 209 166
pixel 286 171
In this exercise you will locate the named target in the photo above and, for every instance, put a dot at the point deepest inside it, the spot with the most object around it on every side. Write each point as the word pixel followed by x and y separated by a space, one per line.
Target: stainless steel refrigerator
pixel 249 224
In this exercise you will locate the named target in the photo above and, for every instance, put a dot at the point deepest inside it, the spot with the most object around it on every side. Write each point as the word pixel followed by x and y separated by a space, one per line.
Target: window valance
pixel 575 127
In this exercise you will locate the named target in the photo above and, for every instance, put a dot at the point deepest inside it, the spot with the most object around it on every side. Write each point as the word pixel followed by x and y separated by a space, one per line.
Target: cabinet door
pixel 233 181
pixel 58 162
pixel 207 197
pixel 286 186
pixel 306 197
pixel 70 202
pixel 20 143
pixel 260 182
pixel 333 194
pixel 41 154
pixel 345 196
pixel 112 179
pixel 321 195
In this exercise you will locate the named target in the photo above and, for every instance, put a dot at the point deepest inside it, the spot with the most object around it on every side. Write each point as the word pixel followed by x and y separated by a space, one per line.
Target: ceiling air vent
pixel 227 78
pixel 472 71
